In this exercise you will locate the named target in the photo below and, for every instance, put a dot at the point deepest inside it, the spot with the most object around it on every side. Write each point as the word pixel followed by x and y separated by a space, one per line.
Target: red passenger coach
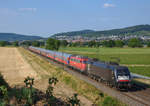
pixel 79 62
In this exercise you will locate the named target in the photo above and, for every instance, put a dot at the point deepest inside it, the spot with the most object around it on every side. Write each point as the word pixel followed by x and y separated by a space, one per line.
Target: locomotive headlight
pixel 123 77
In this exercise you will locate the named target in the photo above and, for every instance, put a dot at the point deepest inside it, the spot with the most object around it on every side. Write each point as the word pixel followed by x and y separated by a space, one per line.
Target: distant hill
pixel 17 37
pixel 134 30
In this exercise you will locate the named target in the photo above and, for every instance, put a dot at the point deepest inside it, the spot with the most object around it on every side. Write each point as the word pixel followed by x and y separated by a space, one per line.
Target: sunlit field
pixel 137 59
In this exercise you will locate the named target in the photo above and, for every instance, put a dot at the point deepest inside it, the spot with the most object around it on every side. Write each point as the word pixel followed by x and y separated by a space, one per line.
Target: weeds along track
pixel 138 95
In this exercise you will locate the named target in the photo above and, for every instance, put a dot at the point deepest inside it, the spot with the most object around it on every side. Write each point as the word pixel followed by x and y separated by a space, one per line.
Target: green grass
pixel 140 70
pixel 127 56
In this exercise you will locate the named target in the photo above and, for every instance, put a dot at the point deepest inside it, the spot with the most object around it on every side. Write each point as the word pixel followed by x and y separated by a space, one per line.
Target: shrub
pixel 134 42
pixel 2 102
pixel 148 44
pixel 2 81
pixel 74 101
pixel 49 92
pixel 119 43
pixel 3 92
pixel 28 92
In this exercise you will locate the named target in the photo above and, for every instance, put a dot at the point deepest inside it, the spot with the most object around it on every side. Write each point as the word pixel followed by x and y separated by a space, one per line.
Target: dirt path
pixel 13 67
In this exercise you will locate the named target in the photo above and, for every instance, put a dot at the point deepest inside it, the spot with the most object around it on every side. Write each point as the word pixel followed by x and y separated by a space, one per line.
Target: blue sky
pixel 47 17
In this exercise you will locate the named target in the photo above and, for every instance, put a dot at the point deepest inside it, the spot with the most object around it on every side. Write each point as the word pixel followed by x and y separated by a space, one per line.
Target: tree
pixel 26 43
pixel 36 43
pixel 57 44
pixel 119 43
pixel 148 44
pixel 134 42
pixel 3 43
pixel 63 43
pixel 75 44
pixel 92 44
pixel 16 43
pixel 109 43
pixel 52 44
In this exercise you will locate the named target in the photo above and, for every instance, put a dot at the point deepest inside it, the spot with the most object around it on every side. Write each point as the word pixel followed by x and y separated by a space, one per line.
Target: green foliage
pixel 3 43
pixel 28 95
pixel 91 44
pixel 52 44
pixel 109 43
pixel 74 101
pixel 16 43
pixel 63 43
pixel 2 102
pixel 119 43
pixel 26 43
pixel 109 101
pixel 148 44
pixel 75 44
pixel 28 92
pixel 3 92
pixel 52 80
pixel 2 81
pixel 49 92
pixel 134 42
pixel 29 82
pixel 101 94
pixel 36 43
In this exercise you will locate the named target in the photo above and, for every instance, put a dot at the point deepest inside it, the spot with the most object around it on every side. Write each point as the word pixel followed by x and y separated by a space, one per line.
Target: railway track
pixel 138 96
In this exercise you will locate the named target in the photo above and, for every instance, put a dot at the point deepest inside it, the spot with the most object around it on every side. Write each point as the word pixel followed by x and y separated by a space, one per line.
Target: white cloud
pixel 107 5
pixel 28 9
pixel 7 11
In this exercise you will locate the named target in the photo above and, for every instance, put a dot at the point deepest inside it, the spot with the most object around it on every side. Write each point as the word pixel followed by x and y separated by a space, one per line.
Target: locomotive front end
pixel 123 77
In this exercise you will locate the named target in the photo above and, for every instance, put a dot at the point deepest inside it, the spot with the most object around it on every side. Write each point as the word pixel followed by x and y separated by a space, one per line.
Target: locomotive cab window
pixel 123 72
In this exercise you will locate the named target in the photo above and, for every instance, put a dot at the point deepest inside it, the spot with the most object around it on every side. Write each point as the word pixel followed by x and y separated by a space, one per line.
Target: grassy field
pixel 137 59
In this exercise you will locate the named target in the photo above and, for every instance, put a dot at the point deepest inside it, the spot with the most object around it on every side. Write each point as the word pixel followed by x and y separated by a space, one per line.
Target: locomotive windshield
pixel 123 72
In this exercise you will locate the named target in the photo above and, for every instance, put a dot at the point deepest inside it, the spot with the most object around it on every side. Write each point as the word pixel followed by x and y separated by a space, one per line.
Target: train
pixel 110 73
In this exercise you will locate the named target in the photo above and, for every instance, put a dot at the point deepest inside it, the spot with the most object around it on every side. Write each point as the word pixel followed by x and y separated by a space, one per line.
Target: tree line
pixel 53 44
pixel 6 43
pixel 134 42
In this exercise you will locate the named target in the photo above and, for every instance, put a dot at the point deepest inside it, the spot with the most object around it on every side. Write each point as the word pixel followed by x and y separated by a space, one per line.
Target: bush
pixel 108 101
pixel 74 101
pixel 2 102
pixel 3 92
pixel 2 81
pixel 28 92
pixel 109 43
pixel 3 43
pixel 119 43
pixel 135 43
pixel 49 92
pixel 148 44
